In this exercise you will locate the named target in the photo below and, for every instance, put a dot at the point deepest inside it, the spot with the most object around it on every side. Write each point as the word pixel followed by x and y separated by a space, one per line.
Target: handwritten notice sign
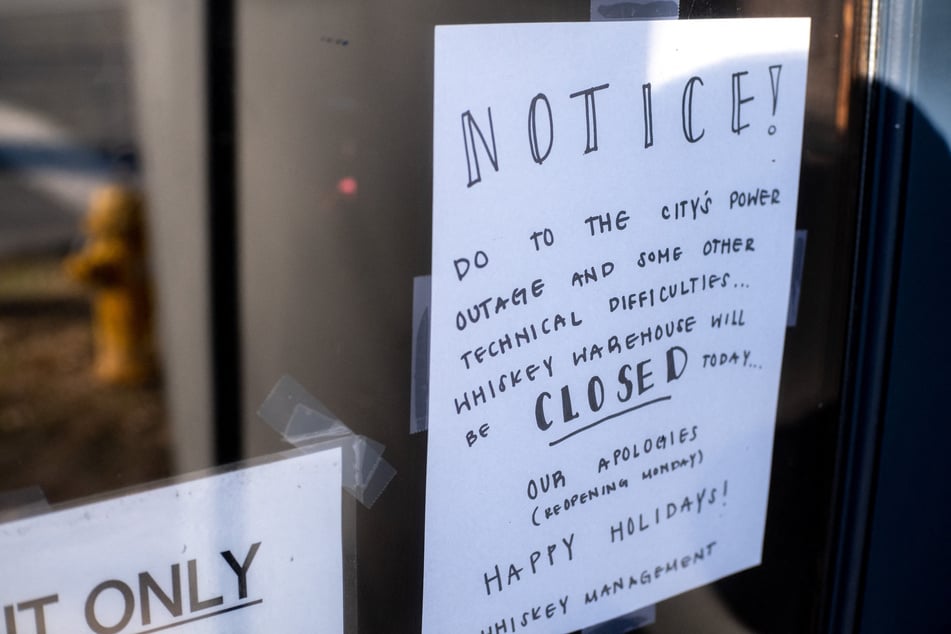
pixel 255 550
pixel 613 223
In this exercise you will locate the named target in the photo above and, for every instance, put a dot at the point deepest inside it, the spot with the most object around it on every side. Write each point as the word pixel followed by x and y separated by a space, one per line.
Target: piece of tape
pixel 278 408
pixel 795 284
pixel 622 624
pixel 302 420
pixel 419 390
pixel 22 503
pixel 634 10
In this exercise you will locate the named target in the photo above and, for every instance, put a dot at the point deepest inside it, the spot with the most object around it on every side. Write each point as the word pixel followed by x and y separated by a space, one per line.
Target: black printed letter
pixel 590 115
pixel 533 129
pixel 468 138
pixel 648 116
pixel 738 102
pixel 686 110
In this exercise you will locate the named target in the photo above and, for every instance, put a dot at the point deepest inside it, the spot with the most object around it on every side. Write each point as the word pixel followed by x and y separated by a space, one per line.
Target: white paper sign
pixel 254 550
pixel 613 216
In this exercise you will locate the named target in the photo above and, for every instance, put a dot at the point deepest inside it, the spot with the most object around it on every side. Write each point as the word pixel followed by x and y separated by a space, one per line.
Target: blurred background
pixel 66 131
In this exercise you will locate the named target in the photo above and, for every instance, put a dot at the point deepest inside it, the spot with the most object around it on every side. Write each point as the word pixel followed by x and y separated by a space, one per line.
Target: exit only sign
pixel 251 550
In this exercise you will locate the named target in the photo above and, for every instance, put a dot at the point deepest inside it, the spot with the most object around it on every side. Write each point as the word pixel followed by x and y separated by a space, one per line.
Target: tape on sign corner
pixel 303 421
pixel 364 472
pixel 419 390
pixel 377 483
pixel 22 503
pixel 627 623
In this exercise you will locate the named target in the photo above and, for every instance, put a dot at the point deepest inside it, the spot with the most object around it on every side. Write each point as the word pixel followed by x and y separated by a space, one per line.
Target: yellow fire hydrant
pixel 113 264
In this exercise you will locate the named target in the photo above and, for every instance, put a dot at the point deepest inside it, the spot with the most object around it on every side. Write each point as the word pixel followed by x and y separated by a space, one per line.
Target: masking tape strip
pixel 419 390
pixel 302 420
pixel 622 624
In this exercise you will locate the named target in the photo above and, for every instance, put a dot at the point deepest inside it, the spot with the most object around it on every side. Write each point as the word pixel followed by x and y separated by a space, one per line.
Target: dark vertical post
pixel 223 228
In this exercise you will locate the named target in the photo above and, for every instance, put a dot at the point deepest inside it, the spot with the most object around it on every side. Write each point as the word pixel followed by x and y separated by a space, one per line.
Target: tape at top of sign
pixel 302 420
pixel 634 10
